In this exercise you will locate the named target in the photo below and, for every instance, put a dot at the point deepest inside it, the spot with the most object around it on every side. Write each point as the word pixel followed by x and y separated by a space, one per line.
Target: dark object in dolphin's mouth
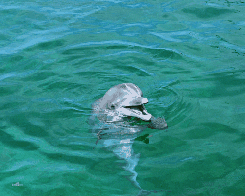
pixel 158 123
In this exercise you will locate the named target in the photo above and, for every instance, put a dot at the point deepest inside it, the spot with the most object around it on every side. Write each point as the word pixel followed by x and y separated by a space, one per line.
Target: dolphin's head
pixel 126 100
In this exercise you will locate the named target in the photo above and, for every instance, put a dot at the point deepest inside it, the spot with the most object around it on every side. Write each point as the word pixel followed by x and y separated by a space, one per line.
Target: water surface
pixel 57 58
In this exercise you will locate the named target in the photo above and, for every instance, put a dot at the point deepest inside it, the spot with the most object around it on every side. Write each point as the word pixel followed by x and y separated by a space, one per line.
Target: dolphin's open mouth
pixel 139 111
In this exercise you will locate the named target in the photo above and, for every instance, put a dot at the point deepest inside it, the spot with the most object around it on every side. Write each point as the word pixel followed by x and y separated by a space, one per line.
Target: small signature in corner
pixel 17 184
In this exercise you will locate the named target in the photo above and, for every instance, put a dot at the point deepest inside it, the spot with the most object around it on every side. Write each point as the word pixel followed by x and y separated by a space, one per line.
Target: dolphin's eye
pixel 112 107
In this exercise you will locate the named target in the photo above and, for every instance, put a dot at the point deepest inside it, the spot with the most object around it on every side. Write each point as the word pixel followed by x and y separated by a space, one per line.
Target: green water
pixel 57 58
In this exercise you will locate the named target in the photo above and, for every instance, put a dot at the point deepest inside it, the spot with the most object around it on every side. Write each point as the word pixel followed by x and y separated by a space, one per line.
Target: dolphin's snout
pixel 144 100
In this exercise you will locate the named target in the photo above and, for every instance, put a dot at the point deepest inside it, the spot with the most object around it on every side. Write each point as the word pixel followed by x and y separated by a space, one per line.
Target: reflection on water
pixel 118 137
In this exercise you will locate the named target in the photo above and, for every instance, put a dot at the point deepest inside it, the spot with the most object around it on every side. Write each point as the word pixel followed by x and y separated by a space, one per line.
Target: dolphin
pixel 123 101
pixel 117 120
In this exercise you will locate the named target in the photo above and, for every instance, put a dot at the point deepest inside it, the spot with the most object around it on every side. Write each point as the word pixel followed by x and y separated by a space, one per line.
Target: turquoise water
pixel 58 57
